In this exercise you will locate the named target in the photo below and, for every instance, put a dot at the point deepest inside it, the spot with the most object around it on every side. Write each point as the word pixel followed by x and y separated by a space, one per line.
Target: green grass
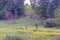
pixel 23 34
pixel 18 28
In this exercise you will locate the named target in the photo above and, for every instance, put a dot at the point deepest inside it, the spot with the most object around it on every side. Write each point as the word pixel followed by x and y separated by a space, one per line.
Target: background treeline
pixel 11 9
pixel 48 10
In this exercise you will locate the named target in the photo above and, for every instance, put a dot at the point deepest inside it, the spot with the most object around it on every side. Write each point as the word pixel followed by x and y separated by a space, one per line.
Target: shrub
pixel 57 22
pixel 49 23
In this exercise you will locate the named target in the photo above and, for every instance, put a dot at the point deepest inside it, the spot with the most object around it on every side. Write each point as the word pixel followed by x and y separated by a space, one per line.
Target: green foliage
pixel 49 23
pixel 15 7
pixel 57 12
pixel 28 8
pixel 57 17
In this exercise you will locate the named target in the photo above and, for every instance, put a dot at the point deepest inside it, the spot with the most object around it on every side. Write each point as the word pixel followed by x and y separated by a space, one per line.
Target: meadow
pixel 25 30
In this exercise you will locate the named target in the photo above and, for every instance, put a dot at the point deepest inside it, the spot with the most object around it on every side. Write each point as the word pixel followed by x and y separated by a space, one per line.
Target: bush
pixel 57 22
pixel 49 23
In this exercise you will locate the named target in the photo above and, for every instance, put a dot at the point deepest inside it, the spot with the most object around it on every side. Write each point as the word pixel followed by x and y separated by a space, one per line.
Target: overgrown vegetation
pixel 39 21
pixel 47 10
pixel 10 9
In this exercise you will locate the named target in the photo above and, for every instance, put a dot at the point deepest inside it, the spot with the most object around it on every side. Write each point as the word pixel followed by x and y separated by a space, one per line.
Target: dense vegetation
pixel 47 11
pixel 27 27
pixel 10 9
pixel 46 8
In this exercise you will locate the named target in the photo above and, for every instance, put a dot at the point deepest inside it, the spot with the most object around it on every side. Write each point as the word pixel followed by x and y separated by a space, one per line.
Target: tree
pixel 52 7
pixel 41 9
pixel 14 6
pixel 28 9
pixel 46 10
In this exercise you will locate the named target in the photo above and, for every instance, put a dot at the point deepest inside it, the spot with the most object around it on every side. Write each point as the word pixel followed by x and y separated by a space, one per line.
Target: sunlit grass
pixel 29 32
